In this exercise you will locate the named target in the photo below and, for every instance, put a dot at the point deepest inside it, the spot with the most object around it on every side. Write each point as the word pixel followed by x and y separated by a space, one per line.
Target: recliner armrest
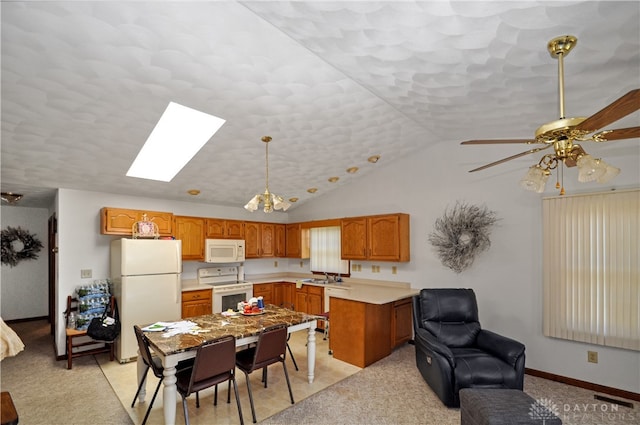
pixel 507 349
pixel 426 339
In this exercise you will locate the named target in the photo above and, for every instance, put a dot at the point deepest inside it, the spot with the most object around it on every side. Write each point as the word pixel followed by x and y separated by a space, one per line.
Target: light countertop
pixel 362 290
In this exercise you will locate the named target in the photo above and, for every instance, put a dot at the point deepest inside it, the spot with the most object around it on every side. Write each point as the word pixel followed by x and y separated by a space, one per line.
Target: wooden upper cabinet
pixel 268 238
pixel 260 239
pixel 378 238
pixel 190 230
pixel 280 249
pixel 353 238
pixel 119 221
pixel 218 228
pixel 297 241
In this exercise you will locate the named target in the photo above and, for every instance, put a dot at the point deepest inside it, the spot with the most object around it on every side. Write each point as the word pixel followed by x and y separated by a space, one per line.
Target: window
pixel 590 268
pixel 325 250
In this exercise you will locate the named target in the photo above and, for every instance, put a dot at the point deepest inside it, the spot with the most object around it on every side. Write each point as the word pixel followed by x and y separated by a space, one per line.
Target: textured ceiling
pixel 83 84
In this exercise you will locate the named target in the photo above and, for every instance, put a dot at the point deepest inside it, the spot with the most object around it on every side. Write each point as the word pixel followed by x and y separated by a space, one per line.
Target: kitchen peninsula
pixel 368 318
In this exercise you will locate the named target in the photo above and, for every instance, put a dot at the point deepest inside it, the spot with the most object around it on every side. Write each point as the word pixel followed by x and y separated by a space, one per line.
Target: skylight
pixel 176 138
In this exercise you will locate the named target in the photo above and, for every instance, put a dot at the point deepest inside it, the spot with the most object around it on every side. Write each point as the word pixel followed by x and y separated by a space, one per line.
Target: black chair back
pixel 271 347
pixel 451 315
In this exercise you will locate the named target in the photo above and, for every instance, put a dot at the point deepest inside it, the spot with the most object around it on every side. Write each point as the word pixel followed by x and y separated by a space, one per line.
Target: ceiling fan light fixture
pixel 589 168
pixel 535 179
pixel 609 172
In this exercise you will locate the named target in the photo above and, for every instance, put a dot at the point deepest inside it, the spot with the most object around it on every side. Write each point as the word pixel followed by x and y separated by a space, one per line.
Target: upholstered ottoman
pixel 502 407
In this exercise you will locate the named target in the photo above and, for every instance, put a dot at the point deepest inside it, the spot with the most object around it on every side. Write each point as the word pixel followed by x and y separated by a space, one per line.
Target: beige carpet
pixel 392 391
pixel 45 392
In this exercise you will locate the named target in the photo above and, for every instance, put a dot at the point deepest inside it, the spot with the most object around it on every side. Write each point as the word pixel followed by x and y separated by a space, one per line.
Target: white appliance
pixel 229 286
pixel 146 283
pixel 221 251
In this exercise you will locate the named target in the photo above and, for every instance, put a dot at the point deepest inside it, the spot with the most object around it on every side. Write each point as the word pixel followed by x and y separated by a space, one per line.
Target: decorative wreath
pixel 461 233
pixel 18 245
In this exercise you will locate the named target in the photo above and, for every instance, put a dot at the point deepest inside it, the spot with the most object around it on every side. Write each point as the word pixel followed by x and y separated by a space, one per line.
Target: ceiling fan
pixel 562 134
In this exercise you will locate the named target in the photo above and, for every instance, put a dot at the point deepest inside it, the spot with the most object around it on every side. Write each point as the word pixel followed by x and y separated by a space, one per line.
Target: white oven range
pixel 229 286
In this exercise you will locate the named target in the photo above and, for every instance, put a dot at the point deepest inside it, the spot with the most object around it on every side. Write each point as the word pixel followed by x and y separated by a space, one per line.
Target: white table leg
pixel 142 372
pixel 169 393
pixel 311 350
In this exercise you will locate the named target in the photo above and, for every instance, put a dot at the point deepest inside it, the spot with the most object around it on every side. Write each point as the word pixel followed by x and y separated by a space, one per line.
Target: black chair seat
pixel 476 368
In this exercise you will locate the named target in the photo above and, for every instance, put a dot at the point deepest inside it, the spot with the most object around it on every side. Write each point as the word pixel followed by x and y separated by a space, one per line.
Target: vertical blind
pixel 590 268
pixel 325 250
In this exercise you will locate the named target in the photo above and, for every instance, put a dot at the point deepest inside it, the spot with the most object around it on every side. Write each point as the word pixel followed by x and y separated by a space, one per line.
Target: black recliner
pixel 453 352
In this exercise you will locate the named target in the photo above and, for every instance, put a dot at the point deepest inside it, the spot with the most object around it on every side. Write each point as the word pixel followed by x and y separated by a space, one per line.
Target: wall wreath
pixel 17 245
pixel 461 233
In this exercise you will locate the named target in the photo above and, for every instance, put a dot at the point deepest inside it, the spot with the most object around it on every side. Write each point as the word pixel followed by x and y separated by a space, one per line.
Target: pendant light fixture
pixel 270 200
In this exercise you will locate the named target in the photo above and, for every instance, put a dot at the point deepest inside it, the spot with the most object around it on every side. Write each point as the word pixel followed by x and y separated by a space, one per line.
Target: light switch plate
pixel 86 273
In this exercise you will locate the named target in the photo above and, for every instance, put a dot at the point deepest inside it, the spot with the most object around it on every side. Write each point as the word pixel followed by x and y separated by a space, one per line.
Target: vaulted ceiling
pixel 84 83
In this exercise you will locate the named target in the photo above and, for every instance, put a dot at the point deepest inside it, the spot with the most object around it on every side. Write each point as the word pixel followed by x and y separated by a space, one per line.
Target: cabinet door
pixel 301 300
pixel 215 228
pixel 252 239
pixel 388 237
pixel 163 220
pixel 280 240
pixel 196 303
pixel 268 238
pixel 315 300
pixel 288 294
pixel 384 242
pixel 353 238
pixel 402 322
pixel 293 241
pixel 190 230
pixel 117 221
pixel 235 229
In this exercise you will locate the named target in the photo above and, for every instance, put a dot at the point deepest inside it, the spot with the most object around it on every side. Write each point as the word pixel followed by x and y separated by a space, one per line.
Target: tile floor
pixel 268 401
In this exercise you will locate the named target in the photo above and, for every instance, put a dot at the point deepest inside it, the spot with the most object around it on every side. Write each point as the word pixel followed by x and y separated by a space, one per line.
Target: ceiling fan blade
pixel 510 158
pixel 620 108
pixel 621 133
pixel 497 141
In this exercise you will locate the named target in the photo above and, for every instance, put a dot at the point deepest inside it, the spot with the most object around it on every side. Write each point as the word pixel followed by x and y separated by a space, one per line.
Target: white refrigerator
pixel 145 274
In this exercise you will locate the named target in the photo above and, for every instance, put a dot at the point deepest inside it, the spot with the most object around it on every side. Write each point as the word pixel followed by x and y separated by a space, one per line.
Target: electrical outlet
pixel 275 264
pixel 592 356
pixel 85 273
pixel 394 270
pixel 301 263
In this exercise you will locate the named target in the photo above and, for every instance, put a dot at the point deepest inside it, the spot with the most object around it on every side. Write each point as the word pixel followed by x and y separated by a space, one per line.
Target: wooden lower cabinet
pixel 310 299
pixel 284 294
pixel 401 322
pixel 360 332
pixel 264 290
pixel 196 303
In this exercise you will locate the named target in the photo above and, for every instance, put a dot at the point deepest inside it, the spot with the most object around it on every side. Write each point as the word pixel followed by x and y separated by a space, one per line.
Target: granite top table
pixel 245 328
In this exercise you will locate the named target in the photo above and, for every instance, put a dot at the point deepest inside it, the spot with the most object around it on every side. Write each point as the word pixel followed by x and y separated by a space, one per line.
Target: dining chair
pixel 271 348
pixel 214 363
pixel 155 364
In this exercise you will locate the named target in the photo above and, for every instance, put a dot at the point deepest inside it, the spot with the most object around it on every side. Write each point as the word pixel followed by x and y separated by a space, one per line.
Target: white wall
pixel 507 278
pixel 24 287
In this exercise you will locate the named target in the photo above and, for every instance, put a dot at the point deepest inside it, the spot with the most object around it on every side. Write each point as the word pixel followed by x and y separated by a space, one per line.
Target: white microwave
pixel 224 251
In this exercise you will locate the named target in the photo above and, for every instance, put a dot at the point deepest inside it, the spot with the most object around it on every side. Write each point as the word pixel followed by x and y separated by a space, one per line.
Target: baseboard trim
pixel 584 384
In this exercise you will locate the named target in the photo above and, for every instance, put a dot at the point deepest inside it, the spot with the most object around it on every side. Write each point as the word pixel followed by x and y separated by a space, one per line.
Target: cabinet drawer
pixel 202 294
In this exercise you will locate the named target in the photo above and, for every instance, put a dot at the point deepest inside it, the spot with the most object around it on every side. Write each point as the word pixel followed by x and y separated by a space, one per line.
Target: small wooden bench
pixel 72 334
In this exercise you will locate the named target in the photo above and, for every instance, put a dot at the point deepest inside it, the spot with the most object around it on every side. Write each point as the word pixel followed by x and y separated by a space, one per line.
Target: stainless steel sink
pixel 321 281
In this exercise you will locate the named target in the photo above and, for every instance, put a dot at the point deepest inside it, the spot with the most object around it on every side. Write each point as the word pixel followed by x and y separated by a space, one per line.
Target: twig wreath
pixel 18 245
pixel 461 233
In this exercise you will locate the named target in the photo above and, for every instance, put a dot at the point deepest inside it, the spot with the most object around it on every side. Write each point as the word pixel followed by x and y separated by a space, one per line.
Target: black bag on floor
pixel 107 327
